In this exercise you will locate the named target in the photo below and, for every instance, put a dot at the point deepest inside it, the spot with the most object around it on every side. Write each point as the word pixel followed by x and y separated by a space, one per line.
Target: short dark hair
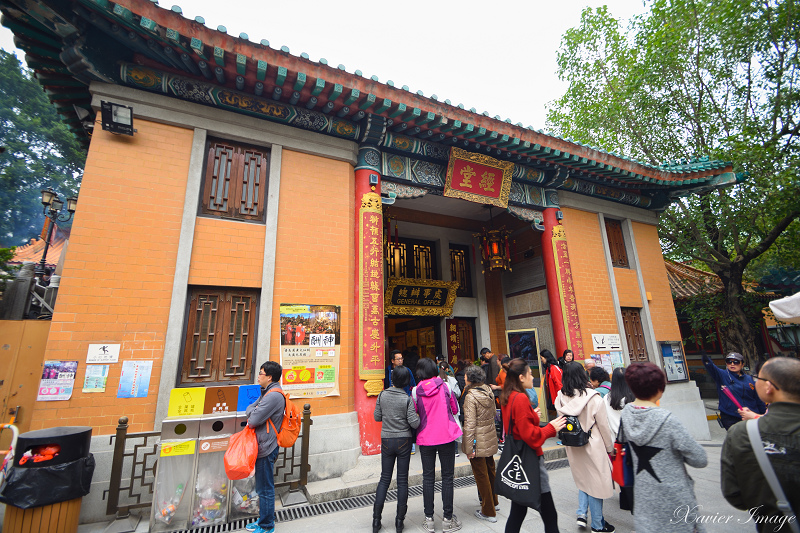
pixel 598 373
pixel 401 377
pixel 426 369
pixel 274 370
pixel 784 373
pixel 395 352
pixel 485 350
pixel 475 374
pixel 574 380
pixel 645 380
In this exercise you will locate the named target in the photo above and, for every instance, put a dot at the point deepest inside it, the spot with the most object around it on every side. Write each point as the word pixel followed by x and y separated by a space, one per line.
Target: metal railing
pixel 133 466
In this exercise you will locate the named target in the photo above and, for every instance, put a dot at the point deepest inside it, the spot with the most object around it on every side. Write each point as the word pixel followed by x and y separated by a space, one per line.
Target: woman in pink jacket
pixel 437 433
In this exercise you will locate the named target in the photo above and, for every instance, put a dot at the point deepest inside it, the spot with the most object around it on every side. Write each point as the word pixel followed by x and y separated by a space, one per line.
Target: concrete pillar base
pixel 684 402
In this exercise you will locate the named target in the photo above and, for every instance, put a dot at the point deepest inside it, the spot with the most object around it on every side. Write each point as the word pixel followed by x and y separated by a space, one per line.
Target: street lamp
pixel 53 207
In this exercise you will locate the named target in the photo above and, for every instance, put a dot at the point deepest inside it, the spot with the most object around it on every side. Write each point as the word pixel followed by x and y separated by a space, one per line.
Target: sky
pixel 498 57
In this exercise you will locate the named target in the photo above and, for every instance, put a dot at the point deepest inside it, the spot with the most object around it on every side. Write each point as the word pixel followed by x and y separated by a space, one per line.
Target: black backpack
pixel 573 434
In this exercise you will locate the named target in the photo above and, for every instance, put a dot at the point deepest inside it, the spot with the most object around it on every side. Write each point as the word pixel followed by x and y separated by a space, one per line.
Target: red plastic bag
pixel 240 459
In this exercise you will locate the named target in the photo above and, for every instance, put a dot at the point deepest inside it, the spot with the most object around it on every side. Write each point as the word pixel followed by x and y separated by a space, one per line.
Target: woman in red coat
pixel 551 373
pixel 515 403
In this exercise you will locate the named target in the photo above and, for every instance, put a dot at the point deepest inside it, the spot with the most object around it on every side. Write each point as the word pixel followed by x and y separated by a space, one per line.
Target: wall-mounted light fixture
pixel 117 118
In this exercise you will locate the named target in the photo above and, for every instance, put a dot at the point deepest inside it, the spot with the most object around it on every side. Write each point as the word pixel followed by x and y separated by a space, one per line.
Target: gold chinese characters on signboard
pixel 420 297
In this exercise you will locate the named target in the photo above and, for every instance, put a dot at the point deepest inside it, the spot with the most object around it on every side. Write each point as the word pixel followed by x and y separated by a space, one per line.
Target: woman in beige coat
pixel 590 465
pixel 480 439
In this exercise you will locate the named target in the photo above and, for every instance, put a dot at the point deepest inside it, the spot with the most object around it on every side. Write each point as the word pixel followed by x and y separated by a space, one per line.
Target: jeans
pixel 595 505
pixel 447 461
pixel 484 471
pixel 265 487
pixel 547 510
pixel 400 449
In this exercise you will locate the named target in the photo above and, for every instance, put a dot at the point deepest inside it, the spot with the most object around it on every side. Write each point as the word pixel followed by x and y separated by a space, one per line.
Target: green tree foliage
pixel 39 152
pixel 717 78
pixel 7 272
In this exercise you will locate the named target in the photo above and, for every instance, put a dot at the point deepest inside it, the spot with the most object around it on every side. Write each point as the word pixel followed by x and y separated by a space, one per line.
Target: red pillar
pixel 369 429
pixel 553 295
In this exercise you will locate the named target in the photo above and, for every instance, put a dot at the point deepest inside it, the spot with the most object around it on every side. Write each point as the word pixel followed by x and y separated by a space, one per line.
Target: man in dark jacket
pixel 491 367
pixel 743 483
pixel 265 416
pixel 397 360
pixel 738 383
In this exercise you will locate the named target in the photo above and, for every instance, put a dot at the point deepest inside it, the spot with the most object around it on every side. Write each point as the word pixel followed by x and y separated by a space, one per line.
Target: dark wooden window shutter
pixel 616 243
pixel 220 336
pixel 236 181
pixel 634 334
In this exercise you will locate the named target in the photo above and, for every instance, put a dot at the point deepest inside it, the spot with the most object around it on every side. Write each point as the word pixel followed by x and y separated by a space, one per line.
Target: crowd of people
pixel 453 410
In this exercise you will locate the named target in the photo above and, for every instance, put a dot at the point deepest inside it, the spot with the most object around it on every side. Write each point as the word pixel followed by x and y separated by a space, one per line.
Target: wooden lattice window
pixel 634 334
pixel 459 269
pixel 616 243
pixel 235 183
pixel 220 336
pixel 411 259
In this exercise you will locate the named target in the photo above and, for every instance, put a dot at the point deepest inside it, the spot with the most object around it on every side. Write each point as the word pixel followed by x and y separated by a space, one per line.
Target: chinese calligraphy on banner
pixel 453 346
pixel 420 297
pixel 566 290
pixel 370 292
pixel 478 178
pixel 310 342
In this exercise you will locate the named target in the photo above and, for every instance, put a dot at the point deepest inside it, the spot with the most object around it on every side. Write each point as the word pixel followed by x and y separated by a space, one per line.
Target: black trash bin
pixel 52 468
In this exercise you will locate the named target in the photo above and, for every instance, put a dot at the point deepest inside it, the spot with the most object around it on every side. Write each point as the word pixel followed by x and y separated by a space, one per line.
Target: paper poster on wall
pixel 135 379
pixel 96 378
pixel 616 359
pixel 674 361
pixel 102 353
pixel 310 347
pixel 58 380
pixel 602 342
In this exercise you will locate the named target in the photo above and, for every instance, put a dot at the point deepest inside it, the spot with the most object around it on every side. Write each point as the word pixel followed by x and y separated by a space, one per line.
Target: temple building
pixel 243 204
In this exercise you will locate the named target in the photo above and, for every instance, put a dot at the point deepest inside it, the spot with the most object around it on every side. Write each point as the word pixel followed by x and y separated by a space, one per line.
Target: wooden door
pixel 634 334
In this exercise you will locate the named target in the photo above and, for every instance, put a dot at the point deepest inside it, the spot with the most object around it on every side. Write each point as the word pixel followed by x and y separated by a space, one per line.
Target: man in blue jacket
pixel 267 407
pixel 738 383
pixel 397 360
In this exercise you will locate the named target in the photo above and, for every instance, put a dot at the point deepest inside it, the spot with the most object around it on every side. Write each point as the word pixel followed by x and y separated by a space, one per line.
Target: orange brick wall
pixel 654 274
pixel 314 262
pixel 627 287
pixel 227 253
pixel 495 307
pixel 118 273
pixel 592 287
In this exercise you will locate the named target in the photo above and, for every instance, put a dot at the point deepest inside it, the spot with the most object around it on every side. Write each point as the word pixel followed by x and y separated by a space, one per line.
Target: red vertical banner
pixel 453 344
pixel 370 293
pixel 566 291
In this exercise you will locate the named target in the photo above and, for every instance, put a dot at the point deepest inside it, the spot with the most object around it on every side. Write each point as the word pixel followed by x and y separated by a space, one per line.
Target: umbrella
pixel 787 309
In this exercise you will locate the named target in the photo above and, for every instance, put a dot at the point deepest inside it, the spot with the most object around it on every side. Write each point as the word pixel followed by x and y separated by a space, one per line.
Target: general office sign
pixel 420 297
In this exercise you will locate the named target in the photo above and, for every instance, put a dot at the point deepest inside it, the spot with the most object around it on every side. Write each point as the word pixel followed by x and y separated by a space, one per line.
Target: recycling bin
pixel 175 474
pixel 210 497
pixel 51 471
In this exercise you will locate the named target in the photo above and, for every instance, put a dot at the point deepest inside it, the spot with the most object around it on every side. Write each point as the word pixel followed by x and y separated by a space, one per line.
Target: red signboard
pixel 478 178
pixel 370 280
pixel 566 291
pixel 453 346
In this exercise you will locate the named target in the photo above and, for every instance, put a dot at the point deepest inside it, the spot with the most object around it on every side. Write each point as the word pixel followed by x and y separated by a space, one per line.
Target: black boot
pixel 398 524
pixel 376 525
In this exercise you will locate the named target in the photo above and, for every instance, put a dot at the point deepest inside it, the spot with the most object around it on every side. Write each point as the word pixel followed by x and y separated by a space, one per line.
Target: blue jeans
pixel 595 505
pixel 265 487
pixel 393 449
pixel 447 460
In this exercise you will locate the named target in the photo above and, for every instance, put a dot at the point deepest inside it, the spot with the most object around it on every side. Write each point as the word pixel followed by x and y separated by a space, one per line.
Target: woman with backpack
pixel 588 441
pixel 399 418
pixel 615 400
pixel 516 406
pixel 662 447
pixel 438 430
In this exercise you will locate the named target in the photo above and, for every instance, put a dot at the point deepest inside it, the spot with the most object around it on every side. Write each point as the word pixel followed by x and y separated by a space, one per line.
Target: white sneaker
pixel 451 525
pixel 581 521
pixel 427 525
pixel 482 516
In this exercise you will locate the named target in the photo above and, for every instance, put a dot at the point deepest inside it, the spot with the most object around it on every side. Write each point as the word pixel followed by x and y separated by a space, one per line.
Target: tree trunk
pixel 738 335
